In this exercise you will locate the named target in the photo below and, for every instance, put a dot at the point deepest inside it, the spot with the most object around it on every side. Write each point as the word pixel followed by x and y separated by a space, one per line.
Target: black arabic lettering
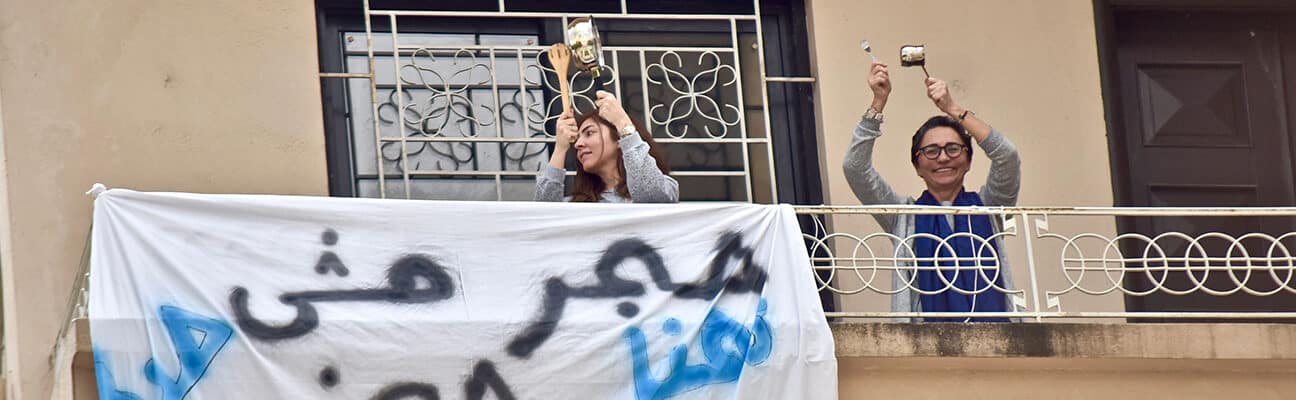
pixel 406 390
pixel 483 377
pixel 403 286
pixel 329 261
pixel 750 277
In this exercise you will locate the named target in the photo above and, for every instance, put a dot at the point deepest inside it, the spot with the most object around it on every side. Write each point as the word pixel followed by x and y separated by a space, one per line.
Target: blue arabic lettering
pixel 195 355
pixel 105 383
pixel 750 347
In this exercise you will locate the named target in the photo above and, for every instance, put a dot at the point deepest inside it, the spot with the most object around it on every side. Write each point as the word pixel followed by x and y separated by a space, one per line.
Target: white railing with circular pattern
pixel 1087 263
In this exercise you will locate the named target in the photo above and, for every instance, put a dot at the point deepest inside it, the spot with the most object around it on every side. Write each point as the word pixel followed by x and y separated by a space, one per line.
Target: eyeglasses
pixel 932 151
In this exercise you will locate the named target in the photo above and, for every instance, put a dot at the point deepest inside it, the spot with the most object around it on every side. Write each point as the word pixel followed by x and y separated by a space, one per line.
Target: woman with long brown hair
pixel 617 160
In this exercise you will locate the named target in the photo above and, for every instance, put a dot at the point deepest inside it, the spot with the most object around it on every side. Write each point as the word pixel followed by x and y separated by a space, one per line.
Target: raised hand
pixel 567 130
pixel 564 137
pixel 609 108
pixel 880 82
pixel 939 94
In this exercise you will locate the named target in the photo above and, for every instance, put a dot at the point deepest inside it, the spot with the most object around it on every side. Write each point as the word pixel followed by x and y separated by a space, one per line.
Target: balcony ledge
pixel 1185 341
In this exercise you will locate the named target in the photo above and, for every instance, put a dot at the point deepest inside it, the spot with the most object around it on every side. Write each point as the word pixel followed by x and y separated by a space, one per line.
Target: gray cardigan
pixel 1000 189
pixel 646 182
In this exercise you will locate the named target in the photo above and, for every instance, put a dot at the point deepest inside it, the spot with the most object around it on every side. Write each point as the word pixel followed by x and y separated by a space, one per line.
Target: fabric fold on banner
pixel 198 296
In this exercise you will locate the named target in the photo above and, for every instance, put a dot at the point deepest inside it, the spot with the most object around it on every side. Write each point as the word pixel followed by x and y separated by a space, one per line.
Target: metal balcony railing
pixel 1069 262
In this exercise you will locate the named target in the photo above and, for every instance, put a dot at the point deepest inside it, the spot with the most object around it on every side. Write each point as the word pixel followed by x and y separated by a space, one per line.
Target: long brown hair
pixel 589 187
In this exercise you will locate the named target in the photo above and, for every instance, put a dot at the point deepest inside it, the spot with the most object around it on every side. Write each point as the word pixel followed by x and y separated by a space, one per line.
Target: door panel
pixel 1206 123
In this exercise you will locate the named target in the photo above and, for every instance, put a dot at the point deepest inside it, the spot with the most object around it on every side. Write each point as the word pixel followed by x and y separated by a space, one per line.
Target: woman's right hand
pixel 880 82
pixel 567 131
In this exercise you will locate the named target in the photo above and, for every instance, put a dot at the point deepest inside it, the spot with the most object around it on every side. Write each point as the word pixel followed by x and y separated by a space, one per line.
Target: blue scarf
pixel 969 279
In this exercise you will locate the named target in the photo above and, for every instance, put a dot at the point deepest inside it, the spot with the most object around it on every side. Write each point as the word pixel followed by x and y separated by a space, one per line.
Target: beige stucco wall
pixel 1028 67
pixel 10 364
pixel 1065 361
pixel 187 95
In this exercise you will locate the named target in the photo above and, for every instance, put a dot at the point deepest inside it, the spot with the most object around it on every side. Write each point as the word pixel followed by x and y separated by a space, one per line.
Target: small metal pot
pixel 586 46
pixel 914 55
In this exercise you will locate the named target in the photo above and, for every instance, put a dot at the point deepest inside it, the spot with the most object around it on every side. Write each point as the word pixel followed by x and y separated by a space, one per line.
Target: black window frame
pixel 791 107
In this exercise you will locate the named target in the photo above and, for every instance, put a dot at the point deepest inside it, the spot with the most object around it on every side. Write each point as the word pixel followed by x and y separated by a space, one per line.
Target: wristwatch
pixel 873 115
pixel 627 130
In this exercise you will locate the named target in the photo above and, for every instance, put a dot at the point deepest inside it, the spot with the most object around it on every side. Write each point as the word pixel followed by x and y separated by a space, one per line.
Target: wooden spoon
pixel 560 58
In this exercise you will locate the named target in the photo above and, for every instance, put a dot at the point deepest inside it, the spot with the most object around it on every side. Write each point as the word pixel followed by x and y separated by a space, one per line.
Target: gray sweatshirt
pixel 1000 189
pixel 646 182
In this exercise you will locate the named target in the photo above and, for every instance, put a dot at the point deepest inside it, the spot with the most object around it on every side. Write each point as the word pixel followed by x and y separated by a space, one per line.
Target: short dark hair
pixel 936 122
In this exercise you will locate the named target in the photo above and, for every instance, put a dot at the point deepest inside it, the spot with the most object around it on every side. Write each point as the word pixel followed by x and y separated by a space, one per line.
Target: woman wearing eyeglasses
pixel 941 153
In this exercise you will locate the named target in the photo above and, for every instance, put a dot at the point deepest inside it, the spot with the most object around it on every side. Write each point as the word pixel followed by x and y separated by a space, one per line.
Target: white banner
pixel 282 297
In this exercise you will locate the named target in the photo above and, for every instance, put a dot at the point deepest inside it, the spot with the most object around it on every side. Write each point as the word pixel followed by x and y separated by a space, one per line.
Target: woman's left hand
pixel 609 108
pixel 939 94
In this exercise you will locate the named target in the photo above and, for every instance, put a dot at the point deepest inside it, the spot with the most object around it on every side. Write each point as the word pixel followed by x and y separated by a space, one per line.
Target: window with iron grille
pixel 458 101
